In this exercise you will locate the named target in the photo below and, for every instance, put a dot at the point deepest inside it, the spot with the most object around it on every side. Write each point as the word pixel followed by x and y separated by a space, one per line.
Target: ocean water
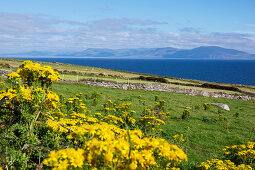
pixel 222 71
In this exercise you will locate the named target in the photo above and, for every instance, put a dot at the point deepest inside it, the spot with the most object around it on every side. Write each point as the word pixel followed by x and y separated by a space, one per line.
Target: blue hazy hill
pixel 211 52
pixel 203 52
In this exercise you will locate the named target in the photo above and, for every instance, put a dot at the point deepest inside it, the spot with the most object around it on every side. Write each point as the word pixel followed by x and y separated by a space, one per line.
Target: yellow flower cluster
pixel 160 104
pixel 154 112
pixel 64 123
pixel 152 121
pixel 241 153
pixel 30 89
pixel 109 146
pixel 14 75
pixel 82 118
pixel 76 104
pixel 111 106
pixel 2 84
pixel 123 106
pixel 237 148
pixel 52 99
pixel 34 72
pixel 221 165
pixel 98 114
pixel 106 145
pixel 112 119
pixel 101 131
pixel 207 106
pixel 247 153
pixel 121 110
pixel 9 95
pixel 26 94
pixel 178 138
pixel 56 127
pixel 127 116
pixel 65 159
pixel 142 154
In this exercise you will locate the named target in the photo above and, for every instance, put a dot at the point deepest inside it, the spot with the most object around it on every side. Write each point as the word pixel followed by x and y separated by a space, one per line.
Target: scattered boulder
pixel 222 105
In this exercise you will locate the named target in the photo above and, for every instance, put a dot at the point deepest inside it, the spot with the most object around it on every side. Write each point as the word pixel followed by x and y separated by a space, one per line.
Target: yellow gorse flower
pixel 34 72
pixel 109 146
pixel 220 164
pixel 66 158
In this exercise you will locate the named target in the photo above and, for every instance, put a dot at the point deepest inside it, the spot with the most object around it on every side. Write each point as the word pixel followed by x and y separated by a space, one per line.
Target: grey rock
pixel 222 105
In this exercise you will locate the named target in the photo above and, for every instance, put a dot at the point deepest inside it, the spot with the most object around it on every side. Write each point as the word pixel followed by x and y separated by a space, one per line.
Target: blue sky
pixel 73 25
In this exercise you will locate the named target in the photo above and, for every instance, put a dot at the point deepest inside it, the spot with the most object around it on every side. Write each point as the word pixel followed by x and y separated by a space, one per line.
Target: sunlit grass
pixel 204 139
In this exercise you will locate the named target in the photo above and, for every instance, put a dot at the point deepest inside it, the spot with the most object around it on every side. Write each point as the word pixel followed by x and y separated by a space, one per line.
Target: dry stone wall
pixel 161 87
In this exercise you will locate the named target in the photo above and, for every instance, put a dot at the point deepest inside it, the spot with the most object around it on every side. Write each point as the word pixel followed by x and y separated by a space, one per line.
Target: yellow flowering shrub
pixel 241 154
pixel 160 105
pixel 109 146
pixel 152 121
pixel 220 165
pixel 25 104
pixel 14 76
pixel 112 119
pixel 236 157
pixel 76 104
pixel 10 95
pixel 33 73
pixel 65 159
pixel 106 145
pixel 178 138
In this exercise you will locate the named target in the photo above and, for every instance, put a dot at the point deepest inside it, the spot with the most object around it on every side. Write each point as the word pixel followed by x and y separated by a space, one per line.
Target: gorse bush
pixel 24 105
pixel 241 154
pixel 220 164
pixel 235 157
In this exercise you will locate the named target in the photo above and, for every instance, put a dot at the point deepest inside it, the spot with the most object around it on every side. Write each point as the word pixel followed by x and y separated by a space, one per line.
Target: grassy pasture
pixel 204 139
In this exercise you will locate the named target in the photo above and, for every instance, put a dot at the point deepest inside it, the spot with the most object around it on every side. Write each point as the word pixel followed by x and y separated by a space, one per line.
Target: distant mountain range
pixel 203 52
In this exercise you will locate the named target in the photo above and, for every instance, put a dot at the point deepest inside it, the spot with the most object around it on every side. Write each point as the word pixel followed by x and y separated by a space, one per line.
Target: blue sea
pixel 222 71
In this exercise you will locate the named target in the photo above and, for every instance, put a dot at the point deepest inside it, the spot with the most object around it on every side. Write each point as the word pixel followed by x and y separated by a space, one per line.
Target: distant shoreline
pixel 126 58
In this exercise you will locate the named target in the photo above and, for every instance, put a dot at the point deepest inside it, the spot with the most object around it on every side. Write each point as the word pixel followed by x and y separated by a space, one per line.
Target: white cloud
pixel 24 32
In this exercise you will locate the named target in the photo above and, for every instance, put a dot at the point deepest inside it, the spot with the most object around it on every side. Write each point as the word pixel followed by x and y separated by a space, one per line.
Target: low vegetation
pixel 74 126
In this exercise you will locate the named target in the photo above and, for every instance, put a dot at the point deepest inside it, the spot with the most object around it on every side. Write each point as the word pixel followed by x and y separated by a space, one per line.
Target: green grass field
pixel 204 140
